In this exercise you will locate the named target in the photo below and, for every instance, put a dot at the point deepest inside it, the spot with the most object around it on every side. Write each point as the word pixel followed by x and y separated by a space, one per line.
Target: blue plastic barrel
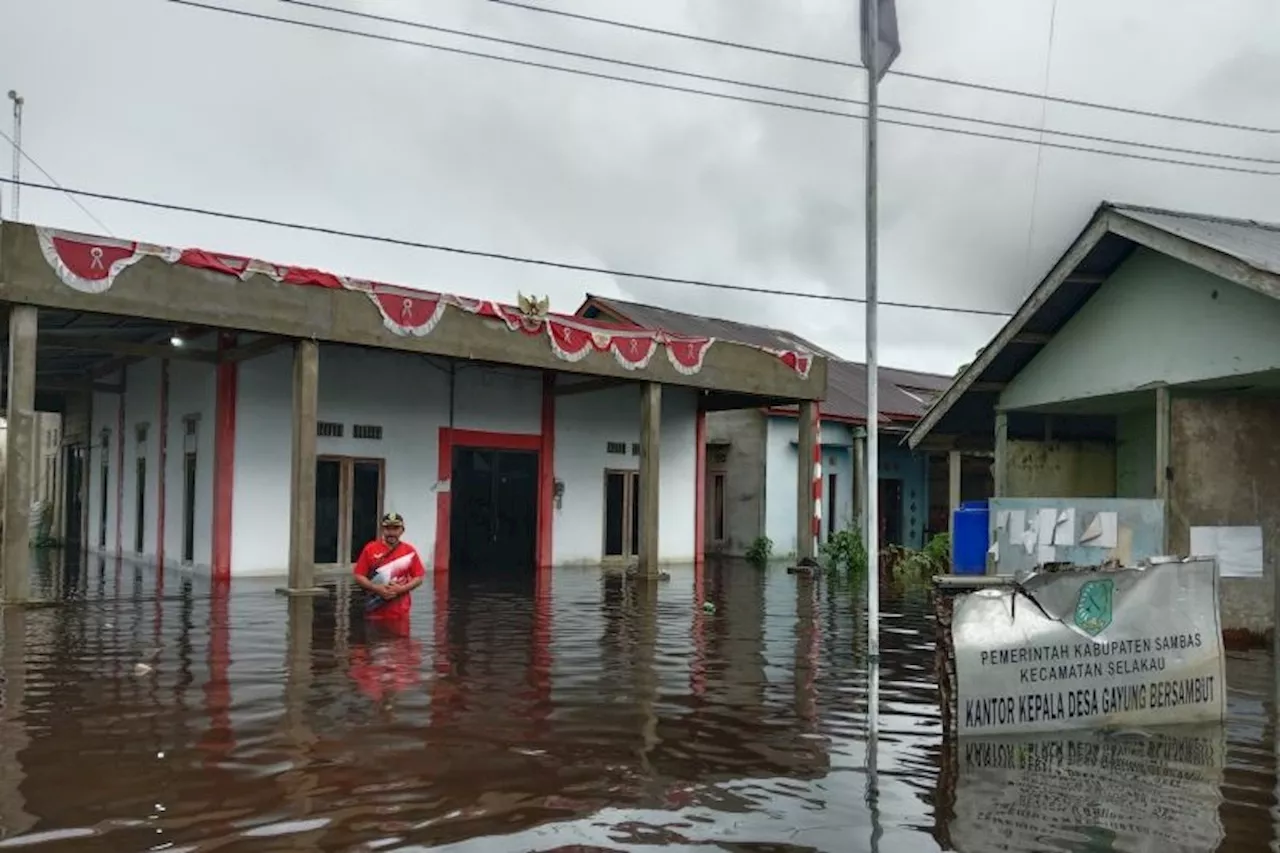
pixel 969 539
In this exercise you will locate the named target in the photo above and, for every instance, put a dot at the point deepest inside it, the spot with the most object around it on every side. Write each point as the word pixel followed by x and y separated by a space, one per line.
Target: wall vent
pixel 369 431
pixel 618 448
pixel 329 429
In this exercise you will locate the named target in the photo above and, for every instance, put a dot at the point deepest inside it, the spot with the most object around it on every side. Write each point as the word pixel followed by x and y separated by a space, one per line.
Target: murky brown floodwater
pixel 144 716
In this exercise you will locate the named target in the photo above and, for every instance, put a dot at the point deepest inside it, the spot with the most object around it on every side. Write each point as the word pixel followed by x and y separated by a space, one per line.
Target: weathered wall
pixel 1060 469
pixel 1155 319
pixel 1136 454
pixel 1225 455
pixel 744 433
pixel 781 479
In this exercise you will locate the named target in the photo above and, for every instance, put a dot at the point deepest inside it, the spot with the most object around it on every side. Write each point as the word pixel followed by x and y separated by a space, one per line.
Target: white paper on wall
pixel 1002 520
pixel 1046 521
pixel 1029 540
pixel 1017 524
pixel 1101 531
pixel 1238 549
pixel 1045 554
pixel 1064 533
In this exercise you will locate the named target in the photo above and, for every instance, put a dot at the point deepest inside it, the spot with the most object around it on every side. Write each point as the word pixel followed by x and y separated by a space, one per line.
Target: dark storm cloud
pixel 142 97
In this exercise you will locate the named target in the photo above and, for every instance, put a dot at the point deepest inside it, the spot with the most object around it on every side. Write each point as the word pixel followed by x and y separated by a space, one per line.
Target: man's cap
pixel 393 519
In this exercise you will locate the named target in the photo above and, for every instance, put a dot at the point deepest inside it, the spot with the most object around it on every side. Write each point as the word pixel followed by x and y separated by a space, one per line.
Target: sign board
pixel 1091 648
pixel 1157 792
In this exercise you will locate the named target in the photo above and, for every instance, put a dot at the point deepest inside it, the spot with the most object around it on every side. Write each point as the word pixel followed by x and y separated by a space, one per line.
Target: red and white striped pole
pixel 817 480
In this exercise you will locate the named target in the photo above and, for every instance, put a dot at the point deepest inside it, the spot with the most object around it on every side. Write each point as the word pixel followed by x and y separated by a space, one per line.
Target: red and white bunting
pixel 90 265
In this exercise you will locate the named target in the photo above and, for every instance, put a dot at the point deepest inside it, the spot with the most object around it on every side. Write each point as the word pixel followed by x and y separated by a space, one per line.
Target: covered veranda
pixel 81 309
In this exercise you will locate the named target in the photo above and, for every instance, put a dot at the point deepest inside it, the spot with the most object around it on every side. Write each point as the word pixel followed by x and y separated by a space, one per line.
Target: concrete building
pixel 752 454
pixel 252 418
pixel 1146 364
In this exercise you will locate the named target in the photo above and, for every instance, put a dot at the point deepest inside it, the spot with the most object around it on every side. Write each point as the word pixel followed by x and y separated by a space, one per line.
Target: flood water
pixel 148 713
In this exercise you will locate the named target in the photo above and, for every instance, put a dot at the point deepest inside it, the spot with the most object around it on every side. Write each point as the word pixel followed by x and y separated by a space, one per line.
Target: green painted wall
pixel 1154 320
pixel 1136 454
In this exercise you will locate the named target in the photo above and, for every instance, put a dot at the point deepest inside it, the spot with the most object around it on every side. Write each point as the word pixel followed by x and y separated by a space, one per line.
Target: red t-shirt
pixel 382 566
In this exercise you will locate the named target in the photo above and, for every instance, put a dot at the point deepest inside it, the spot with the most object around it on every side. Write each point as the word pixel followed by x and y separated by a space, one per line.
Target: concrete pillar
pixel 302 491
pixel 859 479
pixel 953 488
pixel 1162 462
pixel 650 451
pixel 20 448
pixel 808 417
pixel 1000 474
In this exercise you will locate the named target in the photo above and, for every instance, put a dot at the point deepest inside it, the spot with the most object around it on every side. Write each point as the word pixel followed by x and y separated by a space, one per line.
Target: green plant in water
pixel 919 566
pixel 844 553
pixel 760 551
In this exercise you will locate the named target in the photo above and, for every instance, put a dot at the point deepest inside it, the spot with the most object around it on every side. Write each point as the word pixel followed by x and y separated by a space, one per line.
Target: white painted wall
pixel 408 396
pixel 191 392
pixel 781 484
pixel 585 424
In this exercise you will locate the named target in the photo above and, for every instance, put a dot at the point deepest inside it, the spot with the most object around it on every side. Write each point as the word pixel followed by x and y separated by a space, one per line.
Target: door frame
pixel 345 466
pixel 481 439
pixel 629 497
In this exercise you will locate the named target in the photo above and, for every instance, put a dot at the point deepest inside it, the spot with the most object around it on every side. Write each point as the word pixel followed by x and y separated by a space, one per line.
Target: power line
pixel 946 81
pixel 41 169
pixel 766 87
pixel 495 256
pixel 744 99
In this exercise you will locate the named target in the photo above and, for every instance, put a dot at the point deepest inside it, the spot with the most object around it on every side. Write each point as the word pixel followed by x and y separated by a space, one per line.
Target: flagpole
pixel 872 516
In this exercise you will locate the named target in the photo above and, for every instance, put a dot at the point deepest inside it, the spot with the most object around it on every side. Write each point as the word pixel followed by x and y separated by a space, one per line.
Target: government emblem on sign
pixel 1093 607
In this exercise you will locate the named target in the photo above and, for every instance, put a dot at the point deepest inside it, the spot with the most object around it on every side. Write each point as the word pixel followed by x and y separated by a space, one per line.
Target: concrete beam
pixel 650 453
pixel 171 293
pixel 953 490
pixel 1164 470
pixel 302 487
pixel 588 386
pixel 1001 472
pixel 253 349
pixel 807 443
pixel 20 442
pixel 127 348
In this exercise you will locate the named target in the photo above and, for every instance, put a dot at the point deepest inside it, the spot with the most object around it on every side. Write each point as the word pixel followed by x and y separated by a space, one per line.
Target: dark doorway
pixel 831 505
pixel 890 512
pixel 189 508
pixel 74 496
pixel 102 492
pixel 366 504
pixel 493 524
pixel 140 524
pixel 328 510
pixel 621 514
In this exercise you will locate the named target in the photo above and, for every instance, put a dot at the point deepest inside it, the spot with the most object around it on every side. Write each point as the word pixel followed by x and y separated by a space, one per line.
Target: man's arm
pixel 361 573
pixel 417 572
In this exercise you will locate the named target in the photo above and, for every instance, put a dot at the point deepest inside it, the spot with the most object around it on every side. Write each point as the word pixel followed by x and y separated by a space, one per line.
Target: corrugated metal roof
pixel 694 325
pixel 846 380
pixel 1254 243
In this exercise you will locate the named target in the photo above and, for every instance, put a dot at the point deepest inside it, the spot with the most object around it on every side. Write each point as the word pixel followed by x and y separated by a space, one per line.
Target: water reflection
pixel 578 708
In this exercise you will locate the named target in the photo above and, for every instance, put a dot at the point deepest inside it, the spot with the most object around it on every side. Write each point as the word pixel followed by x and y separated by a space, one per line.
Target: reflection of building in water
pixel 1153 792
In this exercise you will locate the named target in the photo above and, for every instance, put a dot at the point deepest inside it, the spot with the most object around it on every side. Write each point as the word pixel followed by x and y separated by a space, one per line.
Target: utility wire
pixel 946 81
pixel 41 169
pixel 768 88
pixel 743 99
pixel 496 256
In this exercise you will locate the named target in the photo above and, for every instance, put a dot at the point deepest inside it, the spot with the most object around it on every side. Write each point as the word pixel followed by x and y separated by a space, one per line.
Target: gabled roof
pixel 1242 251
pixel 904 395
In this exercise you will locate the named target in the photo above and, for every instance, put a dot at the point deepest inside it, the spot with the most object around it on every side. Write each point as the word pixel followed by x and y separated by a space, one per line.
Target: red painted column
pixel 700 491
pixel 162 466
pixel 124 389
pixel 224 458
pixel 547 474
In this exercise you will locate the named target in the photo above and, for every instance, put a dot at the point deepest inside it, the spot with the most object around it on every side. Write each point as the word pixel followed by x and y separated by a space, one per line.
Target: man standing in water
pixel 388 570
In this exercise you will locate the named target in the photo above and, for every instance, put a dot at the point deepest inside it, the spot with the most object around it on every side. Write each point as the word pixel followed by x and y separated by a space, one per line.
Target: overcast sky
pixel 151 99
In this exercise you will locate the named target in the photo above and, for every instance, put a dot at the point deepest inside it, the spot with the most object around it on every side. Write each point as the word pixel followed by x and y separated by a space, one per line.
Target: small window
pixel 618 448
pixel 635 449
pixel 329 429
pixel 189 424
pixel 140 432
pixel 369 431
